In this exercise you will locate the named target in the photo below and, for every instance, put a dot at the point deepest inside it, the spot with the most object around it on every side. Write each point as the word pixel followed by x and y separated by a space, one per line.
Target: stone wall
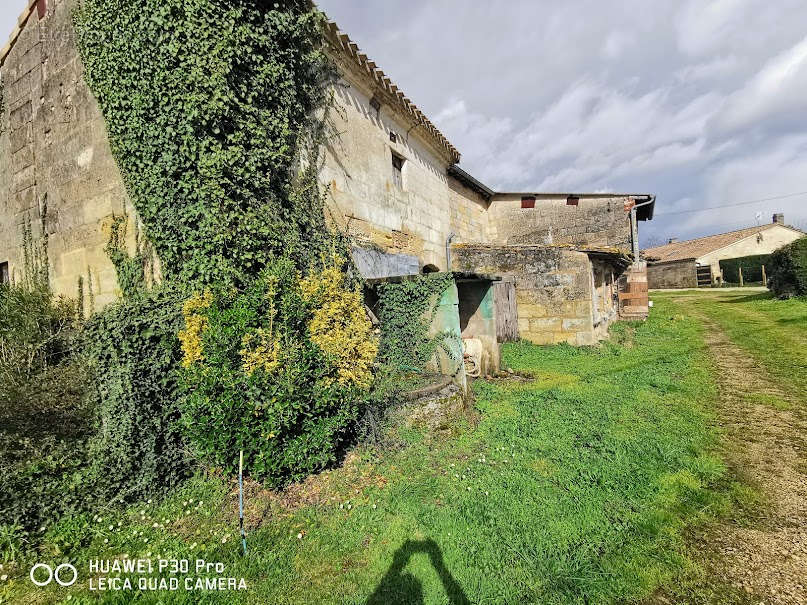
pixel 675 274
pixel 553 288
pixel 596 220
pixel 412 217
pixel 469 213
pixel 54 155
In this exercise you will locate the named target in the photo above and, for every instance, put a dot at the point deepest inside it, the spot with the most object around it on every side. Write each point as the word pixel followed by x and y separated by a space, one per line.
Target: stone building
pixel 694 263
pixel 554 260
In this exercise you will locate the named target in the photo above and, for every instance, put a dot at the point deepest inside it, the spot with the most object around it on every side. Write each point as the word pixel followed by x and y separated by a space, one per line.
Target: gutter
pixel 471 182
pixel 634 230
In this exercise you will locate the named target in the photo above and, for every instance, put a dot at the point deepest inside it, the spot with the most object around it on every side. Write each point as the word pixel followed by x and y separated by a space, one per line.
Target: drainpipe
pixel 450 237
pixel 634 229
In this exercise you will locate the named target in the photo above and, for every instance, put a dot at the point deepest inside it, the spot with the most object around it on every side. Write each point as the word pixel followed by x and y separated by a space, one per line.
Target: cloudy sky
pixel 700 103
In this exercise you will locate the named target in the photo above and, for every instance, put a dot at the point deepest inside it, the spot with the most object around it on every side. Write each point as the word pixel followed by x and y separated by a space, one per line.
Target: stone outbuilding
pixel 559 266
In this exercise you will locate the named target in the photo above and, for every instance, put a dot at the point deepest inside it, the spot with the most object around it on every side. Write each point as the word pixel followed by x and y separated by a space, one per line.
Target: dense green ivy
pixel 133 353
pixel 787 274
pixel 130 269
pixel 212 107
pixel 407 309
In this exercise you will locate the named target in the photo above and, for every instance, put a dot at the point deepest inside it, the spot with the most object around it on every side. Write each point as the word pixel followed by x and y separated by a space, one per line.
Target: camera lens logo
pixel 59 574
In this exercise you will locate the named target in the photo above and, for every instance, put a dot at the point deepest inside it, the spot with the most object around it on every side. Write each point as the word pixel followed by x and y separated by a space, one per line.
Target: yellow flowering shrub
pixel 260 351
pixel 195 324
pixel 339 325
pixel 285 374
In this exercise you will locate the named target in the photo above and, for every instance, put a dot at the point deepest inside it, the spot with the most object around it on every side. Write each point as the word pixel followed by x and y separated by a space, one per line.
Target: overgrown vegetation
pixel 211 108
pixel 750 265
pixel 280 370
pixel 788 272
pixel 257 339
pixel 44 422
pixel 133 355
pixel 575 487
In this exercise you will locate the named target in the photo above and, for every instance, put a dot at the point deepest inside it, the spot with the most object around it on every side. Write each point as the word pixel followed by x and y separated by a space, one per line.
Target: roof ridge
pixel 705 237
pixel 352 50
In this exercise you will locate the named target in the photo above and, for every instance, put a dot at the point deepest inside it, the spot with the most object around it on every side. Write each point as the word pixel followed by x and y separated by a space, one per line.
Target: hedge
pixel 751 265
pixel 787 275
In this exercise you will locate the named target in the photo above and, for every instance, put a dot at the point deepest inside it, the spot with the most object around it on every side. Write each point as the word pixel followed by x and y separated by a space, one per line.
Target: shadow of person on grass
pixel 402 588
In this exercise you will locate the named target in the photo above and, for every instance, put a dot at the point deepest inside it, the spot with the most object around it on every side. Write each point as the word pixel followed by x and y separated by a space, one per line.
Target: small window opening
pixel 393 137
pixel 397 170
pixel 528 202
pixel 572 200
pixel 4 274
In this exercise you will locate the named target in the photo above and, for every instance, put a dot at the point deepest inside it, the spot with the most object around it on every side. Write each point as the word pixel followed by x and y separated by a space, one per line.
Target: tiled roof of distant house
pixel 695 248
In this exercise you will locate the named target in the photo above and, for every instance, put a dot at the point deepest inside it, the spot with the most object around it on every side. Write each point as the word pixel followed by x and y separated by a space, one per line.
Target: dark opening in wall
pixel 528 202
pixel 376 105
pixel 4 274
pixel 430 269
pixel 393 137
pixel 572 200
pixel 397 170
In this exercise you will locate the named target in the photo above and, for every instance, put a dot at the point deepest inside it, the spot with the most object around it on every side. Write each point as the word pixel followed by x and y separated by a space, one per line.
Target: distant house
pixel 696 263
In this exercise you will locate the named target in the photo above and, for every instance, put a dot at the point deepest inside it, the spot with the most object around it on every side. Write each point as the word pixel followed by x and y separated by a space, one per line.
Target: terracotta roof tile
pixel 351 50
pixel 695 248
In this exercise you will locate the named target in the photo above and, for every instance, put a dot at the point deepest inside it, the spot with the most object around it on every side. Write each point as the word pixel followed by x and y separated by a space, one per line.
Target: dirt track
pixel 764 559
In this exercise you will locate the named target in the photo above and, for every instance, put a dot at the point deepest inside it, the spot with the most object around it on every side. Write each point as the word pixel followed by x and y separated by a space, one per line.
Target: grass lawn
pixel 574 487
pixel 773 332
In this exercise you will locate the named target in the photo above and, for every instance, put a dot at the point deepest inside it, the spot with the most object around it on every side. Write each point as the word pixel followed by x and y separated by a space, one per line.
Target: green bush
pixel 751 266
pixel 44 421
pixel 788 271
pixel 133 355
pixel 255 380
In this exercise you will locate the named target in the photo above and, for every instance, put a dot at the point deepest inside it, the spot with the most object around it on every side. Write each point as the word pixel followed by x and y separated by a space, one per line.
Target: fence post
pixel 741 277
pixel 764 277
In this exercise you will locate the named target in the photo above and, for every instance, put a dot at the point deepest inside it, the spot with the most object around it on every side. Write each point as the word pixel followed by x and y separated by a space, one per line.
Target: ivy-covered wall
pixel 208 105
pixel 216 113
pixel 420 325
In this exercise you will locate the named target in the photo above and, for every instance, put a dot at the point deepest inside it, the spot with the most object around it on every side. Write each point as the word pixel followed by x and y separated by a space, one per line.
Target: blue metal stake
pixel 241 500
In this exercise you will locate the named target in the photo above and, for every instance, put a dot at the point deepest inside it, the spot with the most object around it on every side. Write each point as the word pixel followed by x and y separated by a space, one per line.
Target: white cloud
pixel 778 90
pixel 679 99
